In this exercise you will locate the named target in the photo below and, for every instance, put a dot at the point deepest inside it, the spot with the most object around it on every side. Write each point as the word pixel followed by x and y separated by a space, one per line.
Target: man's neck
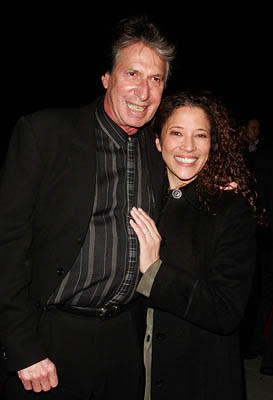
pixel 128 129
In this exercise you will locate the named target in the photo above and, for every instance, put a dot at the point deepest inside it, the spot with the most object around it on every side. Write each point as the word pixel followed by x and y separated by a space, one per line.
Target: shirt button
pixel 80 240
pixel 159 383
pixel 160 337
pixel 5 357
pixel 60 271
pixel 27 263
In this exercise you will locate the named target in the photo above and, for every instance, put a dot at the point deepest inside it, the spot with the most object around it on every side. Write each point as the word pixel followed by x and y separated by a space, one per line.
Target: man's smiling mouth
pixel 135 107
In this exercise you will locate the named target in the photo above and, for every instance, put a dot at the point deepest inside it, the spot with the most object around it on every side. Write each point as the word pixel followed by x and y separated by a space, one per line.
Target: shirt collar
pixel 115 132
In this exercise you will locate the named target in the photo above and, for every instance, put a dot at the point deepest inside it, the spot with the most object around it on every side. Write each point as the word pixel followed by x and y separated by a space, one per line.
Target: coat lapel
pixel 82 160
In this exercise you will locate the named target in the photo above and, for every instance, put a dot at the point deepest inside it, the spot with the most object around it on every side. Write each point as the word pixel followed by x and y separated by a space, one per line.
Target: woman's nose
pixel 187 143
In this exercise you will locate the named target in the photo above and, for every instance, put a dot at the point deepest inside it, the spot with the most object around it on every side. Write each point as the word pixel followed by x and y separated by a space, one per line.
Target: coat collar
pixel 189 193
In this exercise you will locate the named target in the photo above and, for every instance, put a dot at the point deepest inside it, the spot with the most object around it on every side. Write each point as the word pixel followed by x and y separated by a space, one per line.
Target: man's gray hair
pixel 141 29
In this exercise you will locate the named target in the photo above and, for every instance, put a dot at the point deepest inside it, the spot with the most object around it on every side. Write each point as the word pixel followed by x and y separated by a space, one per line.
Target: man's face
pixel 253 129
pixel 135 86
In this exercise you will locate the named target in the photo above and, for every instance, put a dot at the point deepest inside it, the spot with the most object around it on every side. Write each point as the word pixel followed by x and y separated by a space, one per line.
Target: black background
pixel 54 56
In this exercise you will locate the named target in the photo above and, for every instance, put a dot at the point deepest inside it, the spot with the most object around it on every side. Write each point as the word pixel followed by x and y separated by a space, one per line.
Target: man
pixel 250 135
pixel 69 263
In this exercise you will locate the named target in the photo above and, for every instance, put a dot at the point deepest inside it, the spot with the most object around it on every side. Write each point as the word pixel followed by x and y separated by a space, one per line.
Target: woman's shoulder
pixel 231 202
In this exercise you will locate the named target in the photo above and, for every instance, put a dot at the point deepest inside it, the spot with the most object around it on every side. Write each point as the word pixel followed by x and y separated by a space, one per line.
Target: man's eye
pixel 131 73
pixel 156 79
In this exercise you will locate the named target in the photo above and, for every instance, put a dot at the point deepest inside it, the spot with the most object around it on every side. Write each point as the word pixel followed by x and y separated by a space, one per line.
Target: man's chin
pixel 139 122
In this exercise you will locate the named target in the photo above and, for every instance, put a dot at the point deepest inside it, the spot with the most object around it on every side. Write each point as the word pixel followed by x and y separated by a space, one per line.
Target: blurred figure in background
pixel 262 338
pixel 257 327
pixel 250 135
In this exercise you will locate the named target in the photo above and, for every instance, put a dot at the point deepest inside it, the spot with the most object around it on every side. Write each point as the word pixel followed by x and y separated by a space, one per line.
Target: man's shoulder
pixel 58 117
pixel 54 129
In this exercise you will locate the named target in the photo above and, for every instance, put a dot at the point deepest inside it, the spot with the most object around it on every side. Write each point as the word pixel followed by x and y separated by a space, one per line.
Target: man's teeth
pixel 135 108
pixel 185 160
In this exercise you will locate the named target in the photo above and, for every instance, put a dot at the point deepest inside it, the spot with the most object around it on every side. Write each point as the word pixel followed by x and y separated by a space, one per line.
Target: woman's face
pixel 185 144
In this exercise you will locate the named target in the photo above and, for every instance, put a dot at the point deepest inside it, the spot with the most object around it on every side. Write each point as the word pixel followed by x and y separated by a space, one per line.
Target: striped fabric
pixel 106 270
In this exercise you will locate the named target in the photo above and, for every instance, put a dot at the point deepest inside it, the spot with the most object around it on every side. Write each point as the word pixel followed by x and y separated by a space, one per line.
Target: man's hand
pixel 39 377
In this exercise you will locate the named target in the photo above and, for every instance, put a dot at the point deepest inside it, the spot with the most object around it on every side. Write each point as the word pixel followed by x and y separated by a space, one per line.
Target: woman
pixel 197 282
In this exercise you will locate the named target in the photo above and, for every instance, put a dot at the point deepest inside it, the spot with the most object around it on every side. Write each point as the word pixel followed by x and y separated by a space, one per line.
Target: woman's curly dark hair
pixel 226 162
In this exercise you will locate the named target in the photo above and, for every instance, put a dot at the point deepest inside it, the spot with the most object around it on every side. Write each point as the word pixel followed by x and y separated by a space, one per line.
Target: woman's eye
pixel 175 133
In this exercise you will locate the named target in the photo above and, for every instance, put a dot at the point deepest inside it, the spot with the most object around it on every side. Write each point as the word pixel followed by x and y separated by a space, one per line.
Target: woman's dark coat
pixel 199 295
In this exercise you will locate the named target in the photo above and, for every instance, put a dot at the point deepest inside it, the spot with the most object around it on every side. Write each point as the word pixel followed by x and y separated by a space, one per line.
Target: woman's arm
pixel 216 303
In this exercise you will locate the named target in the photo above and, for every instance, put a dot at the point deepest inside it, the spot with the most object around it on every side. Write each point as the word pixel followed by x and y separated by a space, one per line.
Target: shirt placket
pixel 131 179
pixel 130 281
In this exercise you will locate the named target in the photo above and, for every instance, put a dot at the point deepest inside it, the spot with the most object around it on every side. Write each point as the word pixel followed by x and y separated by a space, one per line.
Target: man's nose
pixel 142 90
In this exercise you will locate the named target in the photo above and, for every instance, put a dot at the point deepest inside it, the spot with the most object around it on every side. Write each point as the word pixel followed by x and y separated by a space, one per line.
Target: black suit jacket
pixel 46 198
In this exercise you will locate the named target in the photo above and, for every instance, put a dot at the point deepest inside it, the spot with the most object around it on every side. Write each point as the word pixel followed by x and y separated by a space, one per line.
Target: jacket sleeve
pixel 20 182
pixel 217 302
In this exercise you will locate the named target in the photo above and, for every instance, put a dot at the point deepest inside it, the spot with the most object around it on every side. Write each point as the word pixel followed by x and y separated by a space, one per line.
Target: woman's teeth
pixel 186 160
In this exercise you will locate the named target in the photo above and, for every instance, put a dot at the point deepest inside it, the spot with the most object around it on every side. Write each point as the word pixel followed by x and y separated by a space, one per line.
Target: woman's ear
pixel 157 143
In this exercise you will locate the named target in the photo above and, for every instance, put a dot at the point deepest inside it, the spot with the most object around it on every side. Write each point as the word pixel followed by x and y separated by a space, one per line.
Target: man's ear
pixel 105 80
pixel 157 143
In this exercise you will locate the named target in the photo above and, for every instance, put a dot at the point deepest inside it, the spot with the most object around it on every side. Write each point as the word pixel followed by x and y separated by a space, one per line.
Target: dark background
pixel 54 56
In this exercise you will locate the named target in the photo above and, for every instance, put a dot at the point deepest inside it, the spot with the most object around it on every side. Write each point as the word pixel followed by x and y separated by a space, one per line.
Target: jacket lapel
pixel 82 160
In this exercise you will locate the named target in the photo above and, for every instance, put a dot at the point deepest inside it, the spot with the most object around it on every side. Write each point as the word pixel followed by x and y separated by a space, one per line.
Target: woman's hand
pixel 148 236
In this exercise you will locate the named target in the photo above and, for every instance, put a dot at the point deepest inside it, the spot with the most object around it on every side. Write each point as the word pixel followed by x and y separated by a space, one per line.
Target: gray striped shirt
pixel 106 270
